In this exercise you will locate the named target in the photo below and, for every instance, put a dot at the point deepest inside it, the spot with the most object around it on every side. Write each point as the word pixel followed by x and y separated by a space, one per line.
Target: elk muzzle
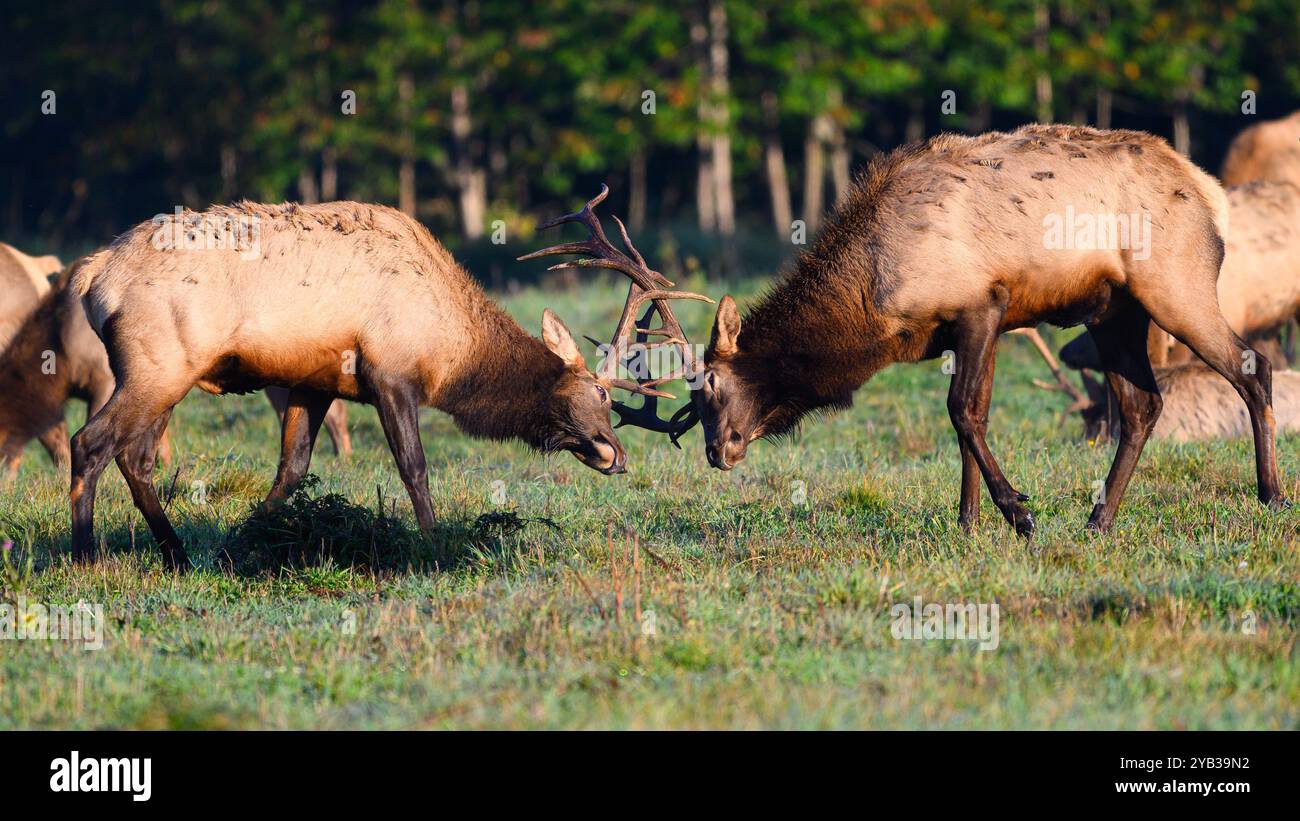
pixel 603 453
pixel 726 450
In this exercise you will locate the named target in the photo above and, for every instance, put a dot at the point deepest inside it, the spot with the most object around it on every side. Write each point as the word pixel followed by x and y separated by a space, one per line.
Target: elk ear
pixel 726 328
pixel 557 337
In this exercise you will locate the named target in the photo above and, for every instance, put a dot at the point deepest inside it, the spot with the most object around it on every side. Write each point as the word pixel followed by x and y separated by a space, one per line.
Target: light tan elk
pixel 23 281
pixel 1267 151
pixel 54 357
pixel 340 300
pixel 944 245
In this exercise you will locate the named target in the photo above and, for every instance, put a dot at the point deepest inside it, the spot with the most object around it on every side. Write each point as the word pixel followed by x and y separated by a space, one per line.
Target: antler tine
pixel 646 285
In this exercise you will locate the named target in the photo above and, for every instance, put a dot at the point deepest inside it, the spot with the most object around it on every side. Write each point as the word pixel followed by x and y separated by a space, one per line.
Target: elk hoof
pixel 1025 525
pixel 1280 503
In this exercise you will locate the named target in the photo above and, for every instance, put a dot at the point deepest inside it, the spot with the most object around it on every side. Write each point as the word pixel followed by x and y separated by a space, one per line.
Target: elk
pixel 54 357
pixel 941 246
pixel 1267 151
pixel 341 299
pixel 23 281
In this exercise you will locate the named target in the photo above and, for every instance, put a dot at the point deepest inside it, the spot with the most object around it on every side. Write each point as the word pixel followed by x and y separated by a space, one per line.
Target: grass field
pixel 771 586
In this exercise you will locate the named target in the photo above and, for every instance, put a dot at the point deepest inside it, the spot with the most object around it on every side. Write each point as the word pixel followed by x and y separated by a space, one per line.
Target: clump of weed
pixel 15 572
pixel 307 530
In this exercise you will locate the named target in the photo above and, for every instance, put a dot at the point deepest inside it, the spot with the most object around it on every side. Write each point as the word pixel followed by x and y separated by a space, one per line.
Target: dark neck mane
pixel 505 390
pixel 818 334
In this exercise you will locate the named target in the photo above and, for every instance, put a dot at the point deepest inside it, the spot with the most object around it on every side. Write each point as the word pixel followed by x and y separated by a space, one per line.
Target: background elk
pixel 1268 151
pixel 344 300
pixel 23 281
pixel 941 246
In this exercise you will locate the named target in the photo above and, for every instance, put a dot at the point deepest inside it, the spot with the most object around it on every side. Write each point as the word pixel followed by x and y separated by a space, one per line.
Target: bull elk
pixel 1267 151
pixel 941 246
pixel 342 300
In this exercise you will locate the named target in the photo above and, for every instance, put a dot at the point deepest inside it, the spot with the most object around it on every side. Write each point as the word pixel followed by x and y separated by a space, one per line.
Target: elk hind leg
pixel 129 414
pixel 136 462
pixel 1122 344
pixel 1250 374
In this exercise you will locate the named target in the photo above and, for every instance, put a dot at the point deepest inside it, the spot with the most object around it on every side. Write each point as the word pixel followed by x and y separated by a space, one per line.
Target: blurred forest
pixel 716 122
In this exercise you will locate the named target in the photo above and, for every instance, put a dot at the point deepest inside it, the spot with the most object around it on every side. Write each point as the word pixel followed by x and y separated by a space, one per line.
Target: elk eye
pixel 710 381
pixel 600 391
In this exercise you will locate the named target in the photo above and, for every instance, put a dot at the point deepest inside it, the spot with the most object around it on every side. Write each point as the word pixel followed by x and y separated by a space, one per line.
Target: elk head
pixel 647 285
pixel 579 406
pixel 733 406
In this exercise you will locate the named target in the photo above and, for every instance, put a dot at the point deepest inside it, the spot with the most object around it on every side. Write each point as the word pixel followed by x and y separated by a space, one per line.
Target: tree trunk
pixel 839 149
pixel 1103 107
pixel 814 169
pixel 229 172
pixel 307 193
pixel 1043 87
pixel 329 174
pixel 470 181
pixel 915 122
pixel 406 173
pixel 721 148
pixel 636 193
pixel 774 160
pixel 705 200
pixel 1182 129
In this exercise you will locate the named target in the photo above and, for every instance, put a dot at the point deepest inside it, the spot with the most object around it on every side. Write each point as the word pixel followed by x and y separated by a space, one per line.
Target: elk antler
pixel 648 285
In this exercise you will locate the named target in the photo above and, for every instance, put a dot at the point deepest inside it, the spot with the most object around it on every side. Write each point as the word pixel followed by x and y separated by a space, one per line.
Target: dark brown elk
pixel 53 357
pixel 1268 151
pixel 944 245
pixel 335 300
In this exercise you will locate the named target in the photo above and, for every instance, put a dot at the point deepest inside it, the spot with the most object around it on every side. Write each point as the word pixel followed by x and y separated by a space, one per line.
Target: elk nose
pixel 716 457
pixel 619 465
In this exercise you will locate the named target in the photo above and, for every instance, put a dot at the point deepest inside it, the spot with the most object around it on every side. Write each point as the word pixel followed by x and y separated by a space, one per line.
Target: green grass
pixel 768 612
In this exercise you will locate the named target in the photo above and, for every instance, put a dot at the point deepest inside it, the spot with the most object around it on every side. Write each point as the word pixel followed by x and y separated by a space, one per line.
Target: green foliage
pixel 196 101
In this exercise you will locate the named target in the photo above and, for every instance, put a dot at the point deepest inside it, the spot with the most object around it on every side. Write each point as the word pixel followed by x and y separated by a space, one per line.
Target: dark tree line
pixel 720 118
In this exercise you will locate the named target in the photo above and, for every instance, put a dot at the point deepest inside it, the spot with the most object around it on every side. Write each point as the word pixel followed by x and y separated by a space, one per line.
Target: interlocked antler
pixel 647 285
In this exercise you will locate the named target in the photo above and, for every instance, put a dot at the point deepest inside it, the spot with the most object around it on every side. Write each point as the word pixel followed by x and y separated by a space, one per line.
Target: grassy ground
pixel 771 586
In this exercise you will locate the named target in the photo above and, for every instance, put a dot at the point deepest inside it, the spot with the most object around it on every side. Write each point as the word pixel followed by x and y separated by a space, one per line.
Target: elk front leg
pixel 300 422
pixel 968 397
pixel 1122 344
pixel 399 416
pixel 969 515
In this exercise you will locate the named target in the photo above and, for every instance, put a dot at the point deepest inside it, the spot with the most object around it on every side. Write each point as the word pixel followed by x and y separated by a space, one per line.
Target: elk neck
pixel 817 336
pixel 505 389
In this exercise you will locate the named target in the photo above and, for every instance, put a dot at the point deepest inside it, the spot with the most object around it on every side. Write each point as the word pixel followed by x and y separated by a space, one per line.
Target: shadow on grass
pixel 310 530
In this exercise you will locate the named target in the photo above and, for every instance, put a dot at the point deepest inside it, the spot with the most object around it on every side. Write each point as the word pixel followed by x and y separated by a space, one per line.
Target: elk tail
pixel 81 274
